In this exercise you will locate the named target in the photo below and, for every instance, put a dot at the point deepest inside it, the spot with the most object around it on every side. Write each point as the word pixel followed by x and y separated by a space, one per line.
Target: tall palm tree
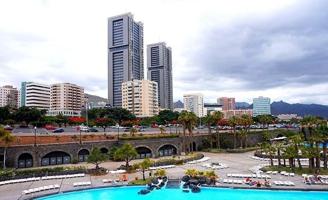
pixel 308 124
pixel 233 122
pixel 297 142
pixel 6 138
pixel 213 118
pixel 246 122
pixel 188 121
pixel 323 131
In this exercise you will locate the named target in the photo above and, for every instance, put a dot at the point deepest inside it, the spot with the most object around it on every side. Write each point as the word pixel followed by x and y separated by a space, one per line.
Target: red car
pixel 154 126
pixel 49 127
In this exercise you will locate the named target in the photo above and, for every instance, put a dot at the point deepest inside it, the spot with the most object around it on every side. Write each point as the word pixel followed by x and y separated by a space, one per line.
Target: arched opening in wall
pixel 167 150
pixel 25 160
pixel 83 155
pixel 1 160
pixel 143 152
pixel 104 150
pixel 56 158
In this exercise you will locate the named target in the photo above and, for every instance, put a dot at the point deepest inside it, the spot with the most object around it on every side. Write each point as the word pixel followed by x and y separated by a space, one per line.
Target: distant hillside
pixel 281 107
pixel 178 104
pixel 95 99
pixel 242 105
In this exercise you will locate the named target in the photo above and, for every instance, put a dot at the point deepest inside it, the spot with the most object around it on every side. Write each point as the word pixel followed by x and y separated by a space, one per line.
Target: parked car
pixel 92 130
pixel 154 126
pixel 84 129
pixel 58 130
pixel 49 127
pixel 8 128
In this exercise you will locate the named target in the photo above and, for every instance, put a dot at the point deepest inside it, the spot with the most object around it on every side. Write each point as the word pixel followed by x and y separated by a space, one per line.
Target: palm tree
pixel 323 131
pixel 161 129
pixel 290 153
pixel 127 152
pixel 188 121
pixel 296 141
pixel 308 123
pixel 213 118
pixel 133 131
pixel 279 146
pixel 268 149
pixel 144 165
pixel 246 121
pixel 7 138
pixel 233 122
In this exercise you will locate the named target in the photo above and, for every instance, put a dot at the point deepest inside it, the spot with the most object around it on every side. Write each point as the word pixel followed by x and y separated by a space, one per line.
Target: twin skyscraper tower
pixel 126 60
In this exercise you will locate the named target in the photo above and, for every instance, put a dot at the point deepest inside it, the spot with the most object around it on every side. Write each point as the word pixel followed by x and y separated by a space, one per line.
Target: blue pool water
pixel 130 193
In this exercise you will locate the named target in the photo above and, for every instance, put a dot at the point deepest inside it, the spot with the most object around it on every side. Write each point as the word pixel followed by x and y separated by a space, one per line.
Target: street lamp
pixel 118 131
pixel 35 136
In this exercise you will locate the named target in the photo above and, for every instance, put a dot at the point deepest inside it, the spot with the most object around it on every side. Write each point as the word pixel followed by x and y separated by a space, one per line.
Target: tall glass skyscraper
pixel 125 54
pixel 261 106
pixel 159 64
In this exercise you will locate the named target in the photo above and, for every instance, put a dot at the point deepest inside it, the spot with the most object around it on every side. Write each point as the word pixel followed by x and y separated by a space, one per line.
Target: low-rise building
pixel 211 107
pixel 238 113
pixel 140 97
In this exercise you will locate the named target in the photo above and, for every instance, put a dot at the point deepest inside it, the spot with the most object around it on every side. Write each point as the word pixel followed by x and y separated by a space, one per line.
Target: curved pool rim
pixel 206 186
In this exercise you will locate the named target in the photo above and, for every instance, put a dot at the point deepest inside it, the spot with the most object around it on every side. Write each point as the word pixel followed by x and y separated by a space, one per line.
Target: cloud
pixel 220 48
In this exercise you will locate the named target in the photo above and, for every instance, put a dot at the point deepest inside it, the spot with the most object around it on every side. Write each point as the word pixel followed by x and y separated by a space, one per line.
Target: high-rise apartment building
pixel 140 97
pixel 35 95
pixel 228 103
pixel 159 65
pixel 194 103
pixel 125 54
pixel 66 99
pixel 9 96
pixel 261 106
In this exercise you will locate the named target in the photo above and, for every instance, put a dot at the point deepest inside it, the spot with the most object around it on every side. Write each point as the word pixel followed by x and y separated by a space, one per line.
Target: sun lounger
pixel 107 180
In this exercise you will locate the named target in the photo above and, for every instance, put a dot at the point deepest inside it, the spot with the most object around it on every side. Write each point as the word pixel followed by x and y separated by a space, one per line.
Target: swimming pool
pixel 131 193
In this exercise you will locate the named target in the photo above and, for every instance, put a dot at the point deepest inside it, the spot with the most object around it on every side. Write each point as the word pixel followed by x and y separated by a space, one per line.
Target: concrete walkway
pixel 237 163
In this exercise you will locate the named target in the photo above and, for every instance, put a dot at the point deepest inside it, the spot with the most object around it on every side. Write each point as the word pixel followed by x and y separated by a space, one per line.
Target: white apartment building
pixel 66 99
pixel 9 96
pixel 35 95
pixel 140 97
pixel 194 103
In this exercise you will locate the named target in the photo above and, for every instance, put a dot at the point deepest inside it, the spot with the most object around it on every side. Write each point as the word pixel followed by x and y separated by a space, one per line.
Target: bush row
pixel 37 172
pixel 172 161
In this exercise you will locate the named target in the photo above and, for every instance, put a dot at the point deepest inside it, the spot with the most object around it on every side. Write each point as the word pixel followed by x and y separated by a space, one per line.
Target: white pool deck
pixel 237 164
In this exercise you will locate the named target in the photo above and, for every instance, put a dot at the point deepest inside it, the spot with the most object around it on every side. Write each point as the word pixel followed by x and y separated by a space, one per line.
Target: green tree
pixel 269 150
pixel 104 122
pixel 323 132
pixel 160 172
pixel 167 116
pixel 265 120
pixel 296 140
pixel 144 165
pixel 96 157
pixel 4 114
pixel 133 131
pixel 162 129
pixel 233 122
pixel 27 115
pixel 7 139
pixel 188 121
pixel 120 114
pixel 127 152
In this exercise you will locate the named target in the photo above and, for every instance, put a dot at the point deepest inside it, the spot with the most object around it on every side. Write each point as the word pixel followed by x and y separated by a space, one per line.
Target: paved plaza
pixel 240 163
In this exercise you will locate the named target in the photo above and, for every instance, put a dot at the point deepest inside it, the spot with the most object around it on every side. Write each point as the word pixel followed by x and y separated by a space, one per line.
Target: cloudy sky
pixel 244 49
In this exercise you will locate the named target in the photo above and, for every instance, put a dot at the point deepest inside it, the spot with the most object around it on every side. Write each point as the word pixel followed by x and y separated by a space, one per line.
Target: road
pixel 109 131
